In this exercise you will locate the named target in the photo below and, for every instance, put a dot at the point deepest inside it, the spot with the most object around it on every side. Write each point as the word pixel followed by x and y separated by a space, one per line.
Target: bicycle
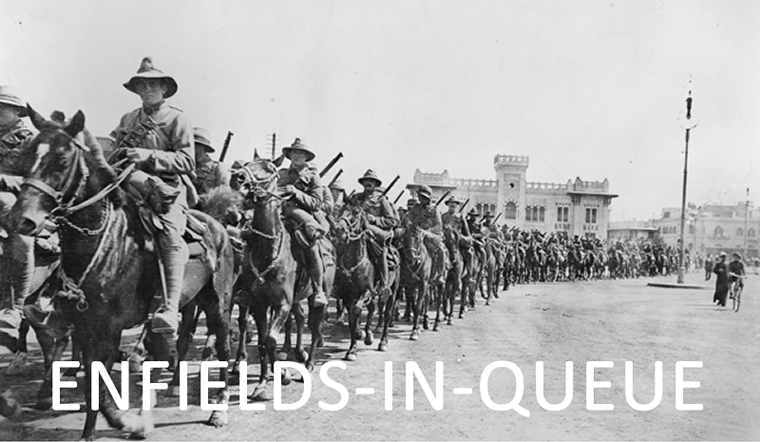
pixel 735 291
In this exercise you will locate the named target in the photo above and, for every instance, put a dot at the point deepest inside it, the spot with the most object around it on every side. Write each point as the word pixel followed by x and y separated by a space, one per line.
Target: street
pixel 608 320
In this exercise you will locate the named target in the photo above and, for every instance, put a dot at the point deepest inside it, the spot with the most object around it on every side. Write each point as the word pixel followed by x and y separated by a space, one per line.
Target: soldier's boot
pixel 439 265
pixel 165 320
pixel 382 268
pixel 314 262
pixel 16 283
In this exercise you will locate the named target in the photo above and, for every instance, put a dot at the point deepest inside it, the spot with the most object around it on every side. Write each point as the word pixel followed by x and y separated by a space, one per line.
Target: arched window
pixel 739 232
pixel 718 231
pixel 511 210
pixel 751 233
pixel 692 229
pixel 541 213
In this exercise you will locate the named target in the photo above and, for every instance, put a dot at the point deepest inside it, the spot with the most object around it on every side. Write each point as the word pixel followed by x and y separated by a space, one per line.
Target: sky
pixel 590 89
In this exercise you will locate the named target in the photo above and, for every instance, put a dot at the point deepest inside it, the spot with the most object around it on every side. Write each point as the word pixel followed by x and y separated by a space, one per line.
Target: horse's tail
pixel 218 202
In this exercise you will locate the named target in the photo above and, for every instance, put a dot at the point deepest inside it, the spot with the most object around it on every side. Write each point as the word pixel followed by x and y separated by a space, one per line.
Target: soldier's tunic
pixel 210 175
pixel 382 218
pixel 456 221
pixel 428 219
pixel 18 261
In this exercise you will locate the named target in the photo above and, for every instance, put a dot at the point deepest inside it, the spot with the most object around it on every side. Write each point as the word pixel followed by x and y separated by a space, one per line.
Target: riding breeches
pixel 437 249
pixel 17 262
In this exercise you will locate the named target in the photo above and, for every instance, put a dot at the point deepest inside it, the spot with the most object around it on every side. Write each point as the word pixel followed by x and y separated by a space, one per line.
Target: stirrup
pixel 320 299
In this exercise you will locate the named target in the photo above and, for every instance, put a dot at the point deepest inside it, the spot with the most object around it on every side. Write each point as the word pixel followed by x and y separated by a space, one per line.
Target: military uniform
pixel 18 259
pixel 427 218
pixel 304 208
pixel 210 175
pixel 458 224
pixel 162 137
pixel 381 220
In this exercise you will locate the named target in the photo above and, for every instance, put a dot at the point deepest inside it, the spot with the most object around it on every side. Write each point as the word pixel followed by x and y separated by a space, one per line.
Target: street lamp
pixel 688 125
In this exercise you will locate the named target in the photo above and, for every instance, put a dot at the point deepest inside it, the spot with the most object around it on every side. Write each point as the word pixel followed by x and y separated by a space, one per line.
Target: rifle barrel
pixel 335 178
pixel 390 186
pixel 399 196
pixel 330 164
pixel 442 198
pixel 226 146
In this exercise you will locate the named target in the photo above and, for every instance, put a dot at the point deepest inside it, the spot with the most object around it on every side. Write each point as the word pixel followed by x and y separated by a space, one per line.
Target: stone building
pixel 577 207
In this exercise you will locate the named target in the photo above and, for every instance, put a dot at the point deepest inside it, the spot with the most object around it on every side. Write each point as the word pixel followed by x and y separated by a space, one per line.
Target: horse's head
pixel 259 183
pixel 56 172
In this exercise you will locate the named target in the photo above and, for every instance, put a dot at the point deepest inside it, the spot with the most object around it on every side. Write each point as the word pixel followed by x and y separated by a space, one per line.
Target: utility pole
pixel 274 145
pixel 688 125
pixel 746 226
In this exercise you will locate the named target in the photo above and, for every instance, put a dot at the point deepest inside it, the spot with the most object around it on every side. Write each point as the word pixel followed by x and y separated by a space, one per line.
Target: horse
pixel 491 270
pixel 472 279
pixel 355 277
pixel 453 286
pixel 416 272
pixel 109 274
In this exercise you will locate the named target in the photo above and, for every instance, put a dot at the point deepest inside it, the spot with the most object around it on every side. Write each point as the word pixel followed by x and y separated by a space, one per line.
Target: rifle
pixel 399 196
pixel 391 185
pixel 335 179
pixel 226 146
pixel 496 219
pixel 464 205
pixel 442 198
pixel 330 164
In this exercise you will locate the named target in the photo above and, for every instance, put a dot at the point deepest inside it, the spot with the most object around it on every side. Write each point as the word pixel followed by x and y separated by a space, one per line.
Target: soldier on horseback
pixel 426 217
pixel 454 219
pixel 381 221
pixel 158 138
pixel 209 174
pixel 474 226
pixel 303 206
pixel 18 253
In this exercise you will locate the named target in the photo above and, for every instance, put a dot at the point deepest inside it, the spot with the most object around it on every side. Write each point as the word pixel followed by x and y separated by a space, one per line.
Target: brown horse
pixel 416 271
pixel 110 275
pixel 451 239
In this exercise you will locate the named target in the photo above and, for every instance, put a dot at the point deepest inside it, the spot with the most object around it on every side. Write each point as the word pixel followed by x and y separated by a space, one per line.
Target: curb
pixel 677 286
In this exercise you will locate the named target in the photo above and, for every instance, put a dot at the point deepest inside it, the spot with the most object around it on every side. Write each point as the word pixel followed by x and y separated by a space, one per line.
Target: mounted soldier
pixel 18 250
pixel 475 228
pixel 303 207
pixel 381 221
pixel 159 139
pixel 209 173
pixel 338 193
pixel 425 216
pixel 454 219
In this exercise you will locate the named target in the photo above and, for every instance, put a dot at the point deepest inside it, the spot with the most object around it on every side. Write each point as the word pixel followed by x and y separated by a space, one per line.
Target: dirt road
pixel 614 321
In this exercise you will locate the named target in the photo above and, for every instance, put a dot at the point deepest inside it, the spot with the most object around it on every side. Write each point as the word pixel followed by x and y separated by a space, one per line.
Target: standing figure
pixel 303 206
pixel 158 138
pixel 709 262
pixel 721 281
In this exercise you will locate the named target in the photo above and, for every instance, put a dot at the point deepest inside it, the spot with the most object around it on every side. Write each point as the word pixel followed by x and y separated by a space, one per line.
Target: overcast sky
pixel 585 88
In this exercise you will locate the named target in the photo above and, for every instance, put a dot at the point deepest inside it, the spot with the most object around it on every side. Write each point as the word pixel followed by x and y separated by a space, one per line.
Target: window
pixel 535 213
pixel 511 210
pixel 751 233
pixel 666 215
pixel 718 231
pixel 541 214
pixel 527 213
pixel 692 229
pixel 739 232
pixel 590 216
pixel 562 214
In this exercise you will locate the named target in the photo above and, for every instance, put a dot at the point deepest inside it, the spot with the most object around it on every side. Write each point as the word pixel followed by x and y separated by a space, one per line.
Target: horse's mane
pixel 217 202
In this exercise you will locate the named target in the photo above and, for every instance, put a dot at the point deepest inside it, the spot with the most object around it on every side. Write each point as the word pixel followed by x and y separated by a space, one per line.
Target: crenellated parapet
pixel 511 160
pixel 432 178
pixel 536 186
pixel 590 186
pixel 469 183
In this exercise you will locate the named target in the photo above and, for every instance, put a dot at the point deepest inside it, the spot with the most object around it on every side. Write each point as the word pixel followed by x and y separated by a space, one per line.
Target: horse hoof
pixel 172 391
pixel 310 366
pixel 207 353
pixel 449 322
pixel 218 419
pixel 285 377
pixel 461 316
pixel 350 356
pixel 415 336
pixel 368 338
pixel 488 303
pixel 43 404
pixel 302 356
pixel 9 407
pixel 435 328
pixel 383 346
pixel 135 425
pixel 18 365
pixel 259 395
pixel 282 356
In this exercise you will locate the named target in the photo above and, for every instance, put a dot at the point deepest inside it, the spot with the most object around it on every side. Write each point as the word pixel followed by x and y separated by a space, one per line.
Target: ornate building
pixel 577 207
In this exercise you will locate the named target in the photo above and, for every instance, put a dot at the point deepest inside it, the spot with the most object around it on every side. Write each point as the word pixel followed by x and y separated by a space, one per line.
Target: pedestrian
pixel 709 262
pixel 721 281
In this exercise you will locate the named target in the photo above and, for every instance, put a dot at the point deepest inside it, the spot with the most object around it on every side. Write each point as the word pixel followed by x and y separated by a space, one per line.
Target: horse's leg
pixel 260 317
pixel 419 300
pixel 316 316
pixel 19 348
pixel 437 302
pixel 368 334
pixel 242 355
pixel 300 319
pixel 218 323
pixel 354 312
pixel 52 350
pixel 280 315
pixel 184 338
pixel 282 355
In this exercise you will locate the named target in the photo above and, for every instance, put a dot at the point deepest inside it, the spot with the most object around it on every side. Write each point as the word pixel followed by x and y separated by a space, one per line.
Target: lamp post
pixel 688 124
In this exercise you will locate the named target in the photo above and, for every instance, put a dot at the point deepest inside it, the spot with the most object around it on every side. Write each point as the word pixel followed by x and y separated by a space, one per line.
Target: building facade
pixel 713 228
pixel 577 207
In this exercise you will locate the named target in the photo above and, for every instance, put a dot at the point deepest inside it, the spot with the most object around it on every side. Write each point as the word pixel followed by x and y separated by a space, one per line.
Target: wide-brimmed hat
pixel 411 201
pixel 370 175
pixel 9 96
pixel 425 191
pixel 488 215
pixel 203 137
pixel 147 70
pixel 473 212
pixel 453 200
pixel 722 254
pixel 297 145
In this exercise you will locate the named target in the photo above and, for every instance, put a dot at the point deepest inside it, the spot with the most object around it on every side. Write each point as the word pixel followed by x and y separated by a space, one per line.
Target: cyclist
pixel 736 271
